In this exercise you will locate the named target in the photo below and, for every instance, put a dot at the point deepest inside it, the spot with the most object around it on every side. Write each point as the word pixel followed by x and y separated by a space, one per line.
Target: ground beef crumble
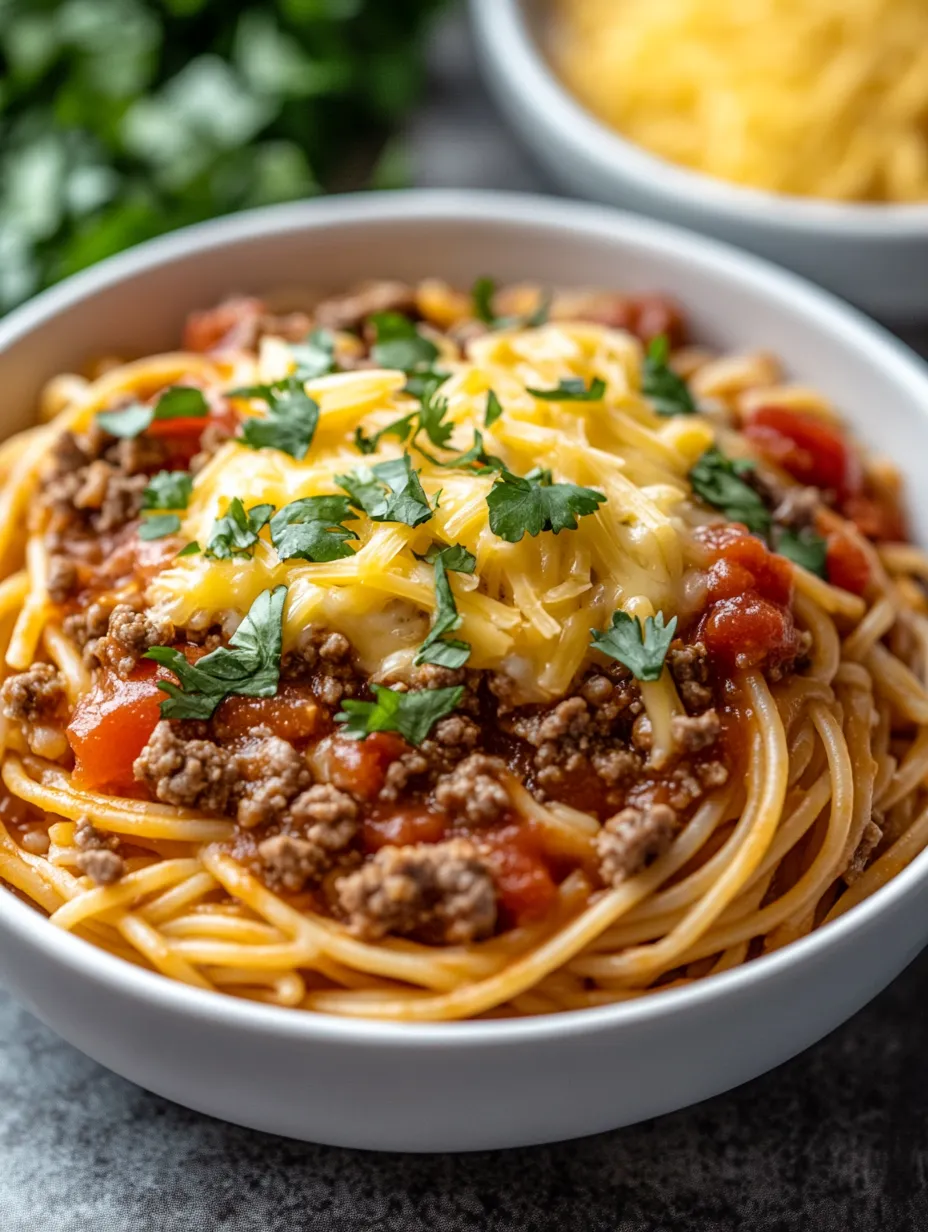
pixel 441 893
pixel 268 774
pixel 187 773
pixel 34 696
pixel 129 635
pixel 632 839
pixel 473 790
pixel 323 825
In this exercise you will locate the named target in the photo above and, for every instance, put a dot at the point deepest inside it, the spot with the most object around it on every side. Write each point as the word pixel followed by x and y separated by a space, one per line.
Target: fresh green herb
pixel 642 648
pixel 159 525
pixel 423 385
pixel 311 529
pixel 438 647
pixel 413 715
pixel 482 294
pixel 660 383
pixel 388 492
pixel 192 549
pixel 573 389
pixel 429 418
pixel 401 428
pixel 168 490
pixel 717 479
pixel 533 504
pixel 178 402
pixel 474 459
pixel 805 548
pixel 123 119
pixel 248 667
pixel 399 344
pixel 236 532
pixel 494 410
pixel 314 356
pixel 290 422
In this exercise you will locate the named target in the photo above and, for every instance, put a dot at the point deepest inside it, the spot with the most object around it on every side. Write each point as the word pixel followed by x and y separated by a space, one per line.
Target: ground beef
pixel 269 773
pixel 692 734
pixel 408 767
pixel 62 578
pixel 439 893
pixel 136 455
pixel 129 635
pixel 351 310
pixel 632 839
pixel 212 438
pixel 89 838
pixel 473 790
pixel 35 696
pixel 689 666
pixel 101 866
pixel 797 508
pixel 324 659
pixel 189 773
pixel 324 823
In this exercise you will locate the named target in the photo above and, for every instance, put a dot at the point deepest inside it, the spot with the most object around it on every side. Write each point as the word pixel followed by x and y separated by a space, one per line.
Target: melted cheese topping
pixel 528 608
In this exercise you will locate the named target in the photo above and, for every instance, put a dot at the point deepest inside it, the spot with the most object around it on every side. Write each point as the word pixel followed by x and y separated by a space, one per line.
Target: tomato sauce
pixel 111 725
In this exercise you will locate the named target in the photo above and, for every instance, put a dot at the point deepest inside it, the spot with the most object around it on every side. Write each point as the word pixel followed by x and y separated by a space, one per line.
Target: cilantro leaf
pixel 159 525
pixel 572 389
pixel 474 459
pixel 248 667
pixel 804 547
pixel 311 529
pixel 532 504
pixel 429 418
pixel 437 647
pixel 660 383
pixel 178 402
pixel 236 532
pixel 290 420
pixel 388 492
pixel 400 428
pixel 642 648
pixel 399 344
pixel 717 479
pixel 482 293
pixel 423 385
pixel 168 490
pixel 314 356
pixel 191 549
pixel 494 410
pixel 413 715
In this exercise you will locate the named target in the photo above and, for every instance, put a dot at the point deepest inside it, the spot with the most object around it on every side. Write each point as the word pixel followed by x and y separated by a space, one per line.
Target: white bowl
pixel 493 1083
pixel 874 255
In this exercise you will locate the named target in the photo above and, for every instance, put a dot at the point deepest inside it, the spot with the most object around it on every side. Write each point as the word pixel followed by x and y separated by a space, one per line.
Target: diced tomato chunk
pixel 231 323
pixel 846 563
pixel 877 518
pixel 110 727
pixel 747 630
pixel 360 766
pixel 812 451
pixel 524 884
pixel 403 826
pixel 292 714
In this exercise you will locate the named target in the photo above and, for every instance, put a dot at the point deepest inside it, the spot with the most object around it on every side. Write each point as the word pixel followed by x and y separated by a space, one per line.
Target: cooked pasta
pixel 431 655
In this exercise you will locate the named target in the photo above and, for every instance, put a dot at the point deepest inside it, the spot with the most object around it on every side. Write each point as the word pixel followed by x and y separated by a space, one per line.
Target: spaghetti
pixel 428 655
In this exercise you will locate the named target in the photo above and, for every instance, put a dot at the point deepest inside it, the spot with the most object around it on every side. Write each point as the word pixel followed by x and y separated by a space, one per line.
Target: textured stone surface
pixel 835 1141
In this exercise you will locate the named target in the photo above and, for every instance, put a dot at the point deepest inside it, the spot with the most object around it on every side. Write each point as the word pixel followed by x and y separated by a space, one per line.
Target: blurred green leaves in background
pixel 121 119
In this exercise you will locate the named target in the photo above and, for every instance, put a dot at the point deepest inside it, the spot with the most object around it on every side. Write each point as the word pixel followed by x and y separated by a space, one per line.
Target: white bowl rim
pixel 887 353
pixel 504 28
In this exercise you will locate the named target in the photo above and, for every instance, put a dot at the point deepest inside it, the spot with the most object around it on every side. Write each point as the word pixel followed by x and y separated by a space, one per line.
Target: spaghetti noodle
pixel 428 655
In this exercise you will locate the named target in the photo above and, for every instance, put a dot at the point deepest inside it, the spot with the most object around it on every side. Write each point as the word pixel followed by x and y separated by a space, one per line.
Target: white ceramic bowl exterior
pixel 874 255
pixel 494 1083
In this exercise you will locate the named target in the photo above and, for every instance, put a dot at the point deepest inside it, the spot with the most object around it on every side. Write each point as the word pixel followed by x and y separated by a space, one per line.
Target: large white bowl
pixel 874 255
pixel 493 1083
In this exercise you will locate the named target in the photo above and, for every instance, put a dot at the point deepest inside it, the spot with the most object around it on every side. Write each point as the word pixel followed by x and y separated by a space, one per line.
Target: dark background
pixel 834 1141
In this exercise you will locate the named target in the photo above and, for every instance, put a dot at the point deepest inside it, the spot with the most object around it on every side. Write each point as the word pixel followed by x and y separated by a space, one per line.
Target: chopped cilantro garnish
pixel 494 410
pixel 413 715
pixel 532 504
pixel 717 479
pixel 399 344
pixel 168 490
pixel 311 529
pixel 314 356
pixel 642 648
pixel 482 293
pixel 438 647
pixel 159 525
pixel 388 492
pixel 290 421
pixel 178 402
pixel 236 532
pixel 804 547
pixel 423 385
pixel 248 667
pixel 659 382
pixel 191 549
pixel 573 389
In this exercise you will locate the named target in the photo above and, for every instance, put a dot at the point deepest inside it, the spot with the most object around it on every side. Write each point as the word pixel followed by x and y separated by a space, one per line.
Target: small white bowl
pixel 469 1085
pixel 874 255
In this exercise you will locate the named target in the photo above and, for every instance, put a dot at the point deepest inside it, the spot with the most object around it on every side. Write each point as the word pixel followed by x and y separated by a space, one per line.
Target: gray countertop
pixel 834 1141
